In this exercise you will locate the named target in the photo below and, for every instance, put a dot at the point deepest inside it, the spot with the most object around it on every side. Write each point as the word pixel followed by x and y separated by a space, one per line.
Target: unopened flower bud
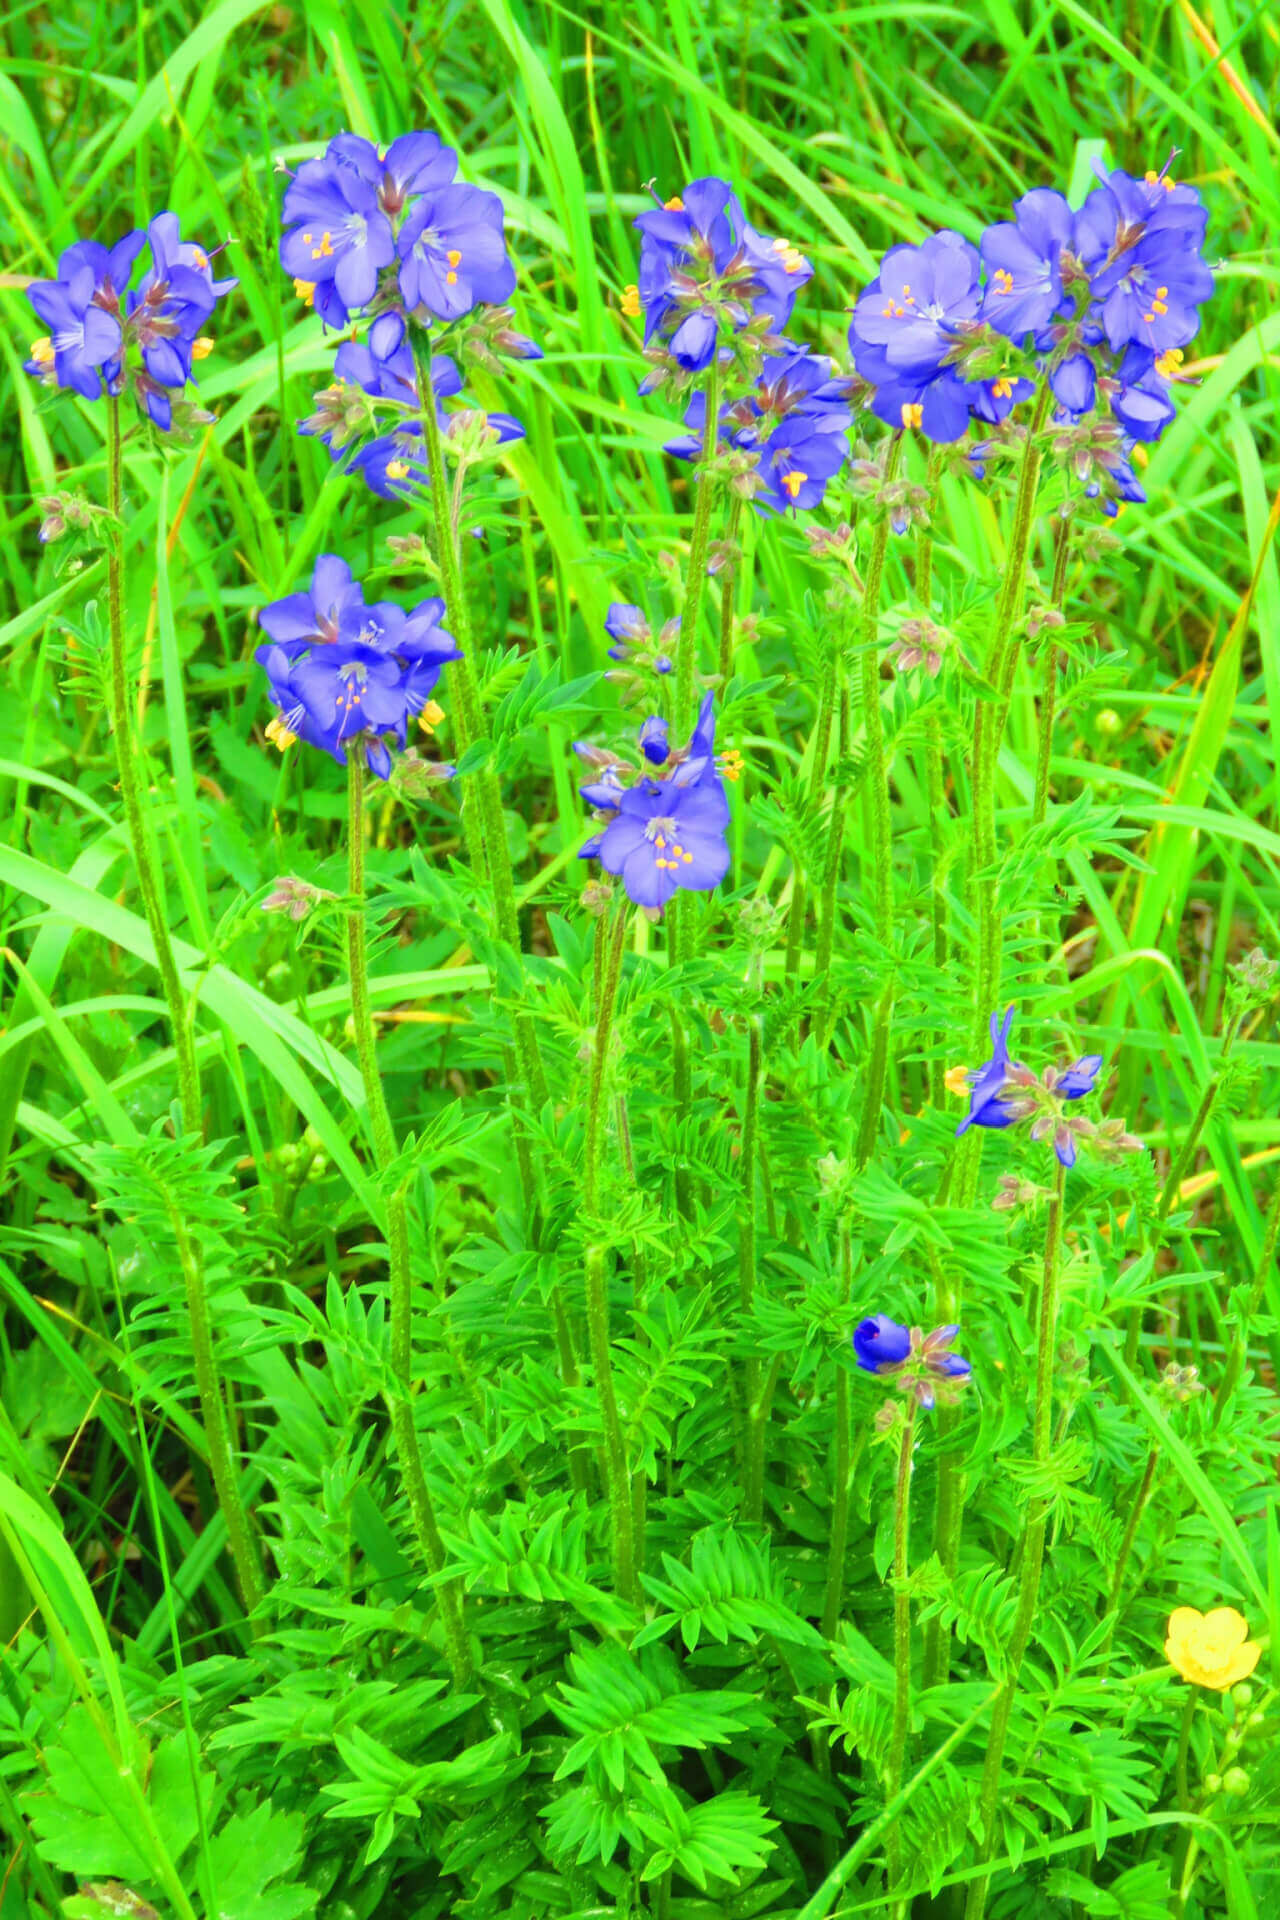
pixel 1235 1781
pixel 1108 723
pixel 295 897
pixel 595 898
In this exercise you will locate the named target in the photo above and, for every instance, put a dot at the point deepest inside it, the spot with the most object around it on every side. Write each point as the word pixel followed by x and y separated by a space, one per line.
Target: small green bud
pixel 1242 1693
pixel 1212 1783
pixel 1108 722
pixel 1235 1781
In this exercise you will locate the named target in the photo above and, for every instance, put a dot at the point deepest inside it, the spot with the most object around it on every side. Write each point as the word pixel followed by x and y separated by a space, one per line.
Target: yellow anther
pixel 1169 362
pixel 201 258
pixel 658 840
pixel 674 205
pixel 431 716
pixel 306 239
pixel 1154 179
pixel 1001 389
pixel 306 291
pixel 453 256
pixel 631 302
pixel 912 413
pixel 1002 280
pixel 732 764
pixel 202 348
pixel 397 469
pixel 956 1080
pixel 451 278
pixel 793 481
pixel 279 734
pixel 687 858
pixel 325 248
pixel 42 351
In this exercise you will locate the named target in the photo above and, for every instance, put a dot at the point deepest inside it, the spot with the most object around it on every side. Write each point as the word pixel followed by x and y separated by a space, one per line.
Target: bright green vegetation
pixel 682 1701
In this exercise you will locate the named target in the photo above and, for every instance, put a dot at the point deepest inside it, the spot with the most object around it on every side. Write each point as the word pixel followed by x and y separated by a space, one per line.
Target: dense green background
pixel 844 129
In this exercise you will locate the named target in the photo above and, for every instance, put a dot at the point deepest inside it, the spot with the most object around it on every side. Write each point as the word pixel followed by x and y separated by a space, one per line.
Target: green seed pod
pixel 1235 1781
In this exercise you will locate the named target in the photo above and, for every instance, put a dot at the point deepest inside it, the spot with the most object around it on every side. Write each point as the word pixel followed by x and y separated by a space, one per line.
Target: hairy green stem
pixel 400 1398
pixel 989 719
pixel 1049 695
pixel 728 591
pixel 596 1269
pixel 213 1413
pixel 1240 1345
pixel 1031 1552
pixel 1140 1499
pixel 699 540
pixel 901 1645
pixel 841 1473
pixel 747 1248
pixel 881 832
pixel 487 838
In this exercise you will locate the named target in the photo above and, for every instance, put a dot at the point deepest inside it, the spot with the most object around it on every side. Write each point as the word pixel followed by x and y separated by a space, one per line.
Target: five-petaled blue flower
pixel 344 672
pixel 664 834
pixel 906 326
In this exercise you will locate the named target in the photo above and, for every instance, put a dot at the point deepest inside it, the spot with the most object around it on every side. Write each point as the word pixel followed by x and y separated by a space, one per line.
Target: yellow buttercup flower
pixel 1211 1649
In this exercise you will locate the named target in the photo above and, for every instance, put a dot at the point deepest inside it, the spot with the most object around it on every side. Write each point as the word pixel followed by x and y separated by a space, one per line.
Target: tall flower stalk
pixel 209 1391
pixel 1030 1551
pixel 614 1452
pixel 400 1397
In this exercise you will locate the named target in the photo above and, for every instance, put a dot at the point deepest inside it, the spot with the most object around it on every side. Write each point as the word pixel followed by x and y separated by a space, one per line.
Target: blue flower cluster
pixel 104 333
pixel 345 672
pixel 1104 299
pixel 795 421
pixel 662 830
pixel 391 236
pixel 705 271
pixel 394 462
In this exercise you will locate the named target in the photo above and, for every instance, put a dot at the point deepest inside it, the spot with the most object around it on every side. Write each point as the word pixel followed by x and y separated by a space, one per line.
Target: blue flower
pixel 145 338
pixel 668 833
pixel 393 463
pixel 994 400
pixel 343 671
pixel 81 309
pixel 1139 394
pixel 1023 258
pixel 915 309
pixel 452 252
pixel 1141 242
pixel 704 270
pixel 1003 1092
pixel 337 235
pixel 795 420
pixel 920 1364
pixel 940 407
pixel 880 1342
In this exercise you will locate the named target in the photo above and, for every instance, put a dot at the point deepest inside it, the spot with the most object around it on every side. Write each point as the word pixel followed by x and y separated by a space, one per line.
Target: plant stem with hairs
pixel 881 830
pixel 1140 1499
pixel 486 838
pixel 754 1432
pixel 728 591
pixel 686 649
pixel 400 1399
pixel 213 1412
pixel 901 1643
pixel 1030 1551
pixel 1240 1345
pixel 840 1468
pixel 1049 694
pixel 596 1268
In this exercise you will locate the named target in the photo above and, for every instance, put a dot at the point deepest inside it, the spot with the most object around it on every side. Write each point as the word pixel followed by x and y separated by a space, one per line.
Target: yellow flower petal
pixel 1226 1627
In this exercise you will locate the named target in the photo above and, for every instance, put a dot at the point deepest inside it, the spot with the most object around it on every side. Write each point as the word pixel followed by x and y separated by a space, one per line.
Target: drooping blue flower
pixel 394 462
pixel 168 312
pixel 1139 394
pixel 795 420
pixel 345 672
pixel 939 407
pixel 914 310
pixel 704 271
pixel 920 1364
pixel 994 400
pixel 1004 1092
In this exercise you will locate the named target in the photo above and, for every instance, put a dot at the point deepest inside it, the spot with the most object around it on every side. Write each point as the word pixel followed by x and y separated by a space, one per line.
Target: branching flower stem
pixel 596 1264
pixel 400 1399
pixel 1030 1551
pixel 213 1413
pixel 841 1465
